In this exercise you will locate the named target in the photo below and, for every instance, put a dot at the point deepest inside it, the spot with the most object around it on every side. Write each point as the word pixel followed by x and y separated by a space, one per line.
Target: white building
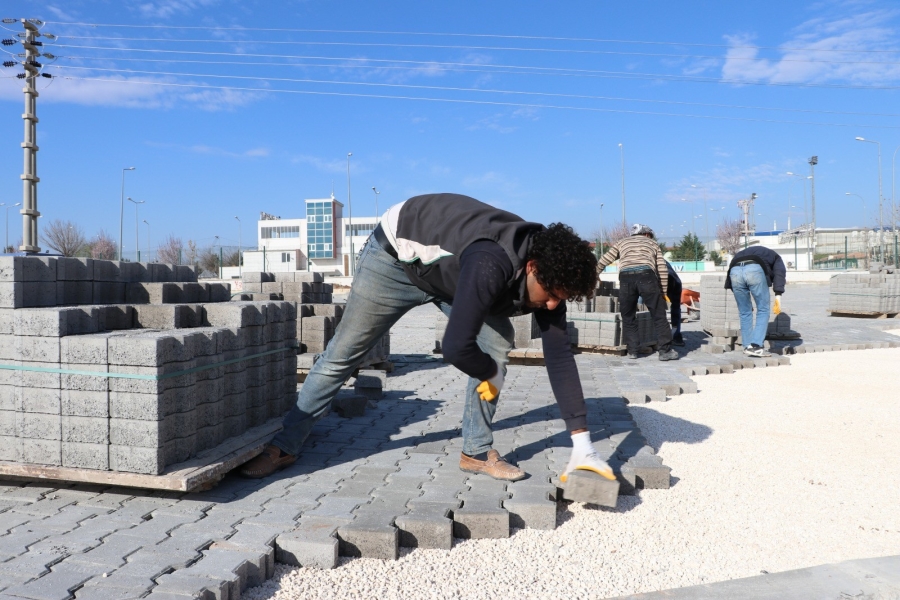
pixel 320 241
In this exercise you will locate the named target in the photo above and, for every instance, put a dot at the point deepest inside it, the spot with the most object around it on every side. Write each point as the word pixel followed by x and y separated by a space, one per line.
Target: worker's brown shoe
pixel 272 459
pixel 494 467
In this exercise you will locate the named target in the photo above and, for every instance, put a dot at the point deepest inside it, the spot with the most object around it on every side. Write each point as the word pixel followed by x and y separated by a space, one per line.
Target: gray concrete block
pixel 311 545
pixel 12 294
pixel 39 293
pixel 532 509
pixel 85 456
pixel 147 349
pixel 39 268
pixel 370 535
pixel 42 452
pixel 116 317
pixel 218 292
pixel 74 293
pixel 688 387
pixel 108 292
pixel 74 269
pixel 371 378
pixel 11 268
pixel 480 518
pixel 167 316
pixel 89 430
pixel 426 529
pixel 586 486
pixel 11 448
pixel 350 405
pixel 183 273
pixel 137 460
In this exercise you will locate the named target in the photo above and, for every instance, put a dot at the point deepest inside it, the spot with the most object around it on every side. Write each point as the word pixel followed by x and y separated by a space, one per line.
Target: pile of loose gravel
pixel 773 469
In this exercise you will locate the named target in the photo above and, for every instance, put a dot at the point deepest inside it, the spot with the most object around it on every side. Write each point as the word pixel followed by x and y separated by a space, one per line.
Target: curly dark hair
pixel 564 261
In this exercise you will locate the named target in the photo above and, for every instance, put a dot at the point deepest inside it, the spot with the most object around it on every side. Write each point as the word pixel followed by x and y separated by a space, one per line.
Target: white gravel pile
pixel 773 469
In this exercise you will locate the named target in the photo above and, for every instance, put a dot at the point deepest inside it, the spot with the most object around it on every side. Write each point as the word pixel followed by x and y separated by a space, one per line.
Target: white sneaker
pixel 588 462
pixel 756 351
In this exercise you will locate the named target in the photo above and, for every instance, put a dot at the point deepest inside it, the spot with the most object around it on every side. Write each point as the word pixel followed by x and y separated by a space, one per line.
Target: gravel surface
pixel 773 469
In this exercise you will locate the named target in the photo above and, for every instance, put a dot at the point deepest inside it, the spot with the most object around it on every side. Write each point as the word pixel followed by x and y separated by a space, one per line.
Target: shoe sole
pixel 262 474
pixel 477 471
pixel 609 475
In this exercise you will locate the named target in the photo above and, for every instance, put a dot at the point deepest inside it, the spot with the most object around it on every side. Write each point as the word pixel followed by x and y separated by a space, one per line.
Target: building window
pixel 285 231
pixel 285 257
pixel 360 229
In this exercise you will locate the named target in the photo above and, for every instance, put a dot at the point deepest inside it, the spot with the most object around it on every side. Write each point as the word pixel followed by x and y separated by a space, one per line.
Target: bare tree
pixel 103 247
pixel 192 252
pixel 209 260
pixel 170 250
pixel 728 233
pixel 65 237
pixel 231 258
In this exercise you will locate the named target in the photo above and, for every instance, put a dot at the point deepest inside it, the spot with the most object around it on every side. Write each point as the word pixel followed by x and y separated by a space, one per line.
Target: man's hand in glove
pixel 585 458
pixel 777 309
pixel 489 389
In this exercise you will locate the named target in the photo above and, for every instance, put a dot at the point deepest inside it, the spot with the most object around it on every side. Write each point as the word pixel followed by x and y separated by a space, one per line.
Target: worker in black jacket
pixel 479 265
pixel 751 272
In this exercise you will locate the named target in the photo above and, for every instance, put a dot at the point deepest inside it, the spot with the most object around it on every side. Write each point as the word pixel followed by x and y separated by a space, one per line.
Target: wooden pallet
pixel 199 473
pixel 861 315
pixel 385 365
pixel 526 356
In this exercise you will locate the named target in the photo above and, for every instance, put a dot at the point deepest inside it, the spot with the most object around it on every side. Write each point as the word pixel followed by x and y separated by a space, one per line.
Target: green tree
pixel 689 248
pixel 715 257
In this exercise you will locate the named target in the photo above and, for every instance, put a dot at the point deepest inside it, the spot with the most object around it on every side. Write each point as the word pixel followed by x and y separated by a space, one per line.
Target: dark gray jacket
pixel 434 229
pixel 769 260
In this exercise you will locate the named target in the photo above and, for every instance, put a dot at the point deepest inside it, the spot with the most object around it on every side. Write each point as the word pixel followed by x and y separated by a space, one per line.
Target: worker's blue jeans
pixel 381 294
pixel 749 281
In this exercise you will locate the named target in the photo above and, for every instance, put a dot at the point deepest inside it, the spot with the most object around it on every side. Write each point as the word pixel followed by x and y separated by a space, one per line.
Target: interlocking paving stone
pixel 391 474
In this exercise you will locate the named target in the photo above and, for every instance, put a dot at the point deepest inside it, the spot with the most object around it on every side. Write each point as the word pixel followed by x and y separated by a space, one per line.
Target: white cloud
pixel 131 92
pixel 492 181
pixel 163 9
pixel 60 13
pixel 725 184
pixel 823 49
pixel 203 149
pixel 326 165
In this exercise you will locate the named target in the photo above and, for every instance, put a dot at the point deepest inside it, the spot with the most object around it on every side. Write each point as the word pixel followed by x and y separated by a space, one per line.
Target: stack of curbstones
pixel 865 294
pixel 720 318
pixel 139 387
pixel 292 286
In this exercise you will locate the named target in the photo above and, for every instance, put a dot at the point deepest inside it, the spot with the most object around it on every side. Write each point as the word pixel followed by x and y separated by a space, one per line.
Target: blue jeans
pixel 381 294
pixel 750 281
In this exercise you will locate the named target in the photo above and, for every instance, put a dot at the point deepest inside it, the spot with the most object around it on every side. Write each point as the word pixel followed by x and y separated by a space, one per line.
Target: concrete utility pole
pixel 377 216
pixel 137 251
pixel 600 250
pixel 622 156
pixel 29 175
pixel 240 246
pixel 813 161
pixel 122 211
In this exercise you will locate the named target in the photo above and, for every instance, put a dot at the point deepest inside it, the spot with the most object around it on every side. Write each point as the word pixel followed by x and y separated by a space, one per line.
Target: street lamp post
pixel 240 246
pixel 148 239
pixel 6 244
pixel 600 252
pixel 865 229
pixel 122 210
pixel 137 252
pixel 350 217
pixel 377 216
pixel 880 199
pixel 805 215
pixel 894 201
pixel 622 156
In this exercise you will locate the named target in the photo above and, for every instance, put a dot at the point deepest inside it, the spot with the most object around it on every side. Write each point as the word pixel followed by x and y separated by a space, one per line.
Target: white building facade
pixel 321 241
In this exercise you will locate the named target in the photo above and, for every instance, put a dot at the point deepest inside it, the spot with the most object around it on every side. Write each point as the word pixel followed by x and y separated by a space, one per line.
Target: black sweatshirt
pixel 484 271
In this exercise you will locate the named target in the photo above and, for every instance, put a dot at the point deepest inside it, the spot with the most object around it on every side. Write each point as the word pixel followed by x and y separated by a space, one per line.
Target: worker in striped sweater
pixel 642 273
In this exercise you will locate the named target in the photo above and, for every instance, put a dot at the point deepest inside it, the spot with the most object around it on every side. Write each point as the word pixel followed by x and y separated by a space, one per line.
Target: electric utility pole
pixel 32 71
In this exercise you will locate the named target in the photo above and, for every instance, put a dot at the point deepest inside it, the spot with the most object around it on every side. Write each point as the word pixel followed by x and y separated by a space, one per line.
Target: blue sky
pixel 228 108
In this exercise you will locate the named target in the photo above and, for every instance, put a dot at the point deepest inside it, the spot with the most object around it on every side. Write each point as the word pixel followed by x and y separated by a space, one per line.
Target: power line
pixel 478 35
pixel 620 74
pixel 477 90
pixel 465 101
pixel 494 48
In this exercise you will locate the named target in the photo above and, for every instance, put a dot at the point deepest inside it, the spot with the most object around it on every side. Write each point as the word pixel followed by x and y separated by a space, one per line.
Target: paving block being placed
pixel 532 507
pixel 587 486
pixel 350 405
pixel 370 535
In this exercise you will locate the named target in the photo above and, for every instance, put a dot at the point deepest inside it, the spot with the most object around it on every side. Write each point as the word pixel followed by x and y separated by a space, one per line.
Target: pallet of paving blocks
pixel 293 286
pixel 864 294
pixel 720 318
pixel 91 391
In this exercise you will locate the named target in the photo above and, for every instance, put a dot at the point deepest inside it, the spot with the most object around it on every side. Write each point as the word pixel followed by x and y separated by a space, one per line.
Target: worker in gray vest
pixel 479 265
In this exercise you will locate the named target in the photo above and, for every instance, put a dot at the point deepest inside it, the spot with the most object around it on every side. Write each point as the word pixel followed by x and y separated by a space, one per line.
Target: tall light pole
pixel 350 217
pixel 377 216
pixel 137 252
pixel 894 201
pixel 122 210
pixel 6 244
pixel 865 229
pixel 622 156
pixel 880 198
pixel 691 228
pixel 148 239
pixel 601 230
pixel 805 215
pixel 240 245
pixel 813 161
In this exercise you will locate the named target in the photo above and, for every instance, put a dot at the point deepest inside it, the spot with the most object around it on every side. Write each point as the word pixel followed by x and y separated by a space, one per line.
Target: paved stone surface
pixel 389 477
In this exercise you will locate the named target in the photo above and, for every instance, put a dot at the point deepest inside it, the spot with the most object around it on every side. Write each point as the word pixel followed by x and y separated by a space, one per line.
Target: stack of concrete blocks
pixel 293 286
pixel 159 396
pixel 317 325
pixel 595 329
pixel 866 293
pixel 606 298
pixel 720 318
pixel 528 333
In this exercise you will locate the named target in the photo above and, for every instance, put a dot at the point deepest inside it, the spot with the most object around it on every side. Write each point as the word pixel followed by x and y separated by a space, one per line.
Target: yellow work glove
pixel 667 300
pixel 489 389
pixel 777 308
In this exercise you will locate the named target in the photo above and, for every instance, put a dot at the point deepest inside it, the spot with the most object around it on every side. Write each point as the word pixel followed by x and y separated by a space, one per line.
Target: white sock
pixel 581 442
